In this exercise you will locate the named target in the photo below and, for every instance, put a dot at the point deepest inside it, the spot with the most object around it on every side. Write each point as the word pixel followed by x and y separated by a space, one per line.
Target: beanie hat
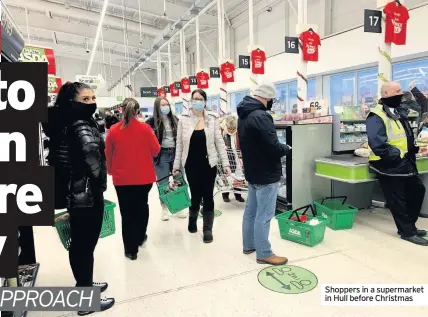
pixel 265 90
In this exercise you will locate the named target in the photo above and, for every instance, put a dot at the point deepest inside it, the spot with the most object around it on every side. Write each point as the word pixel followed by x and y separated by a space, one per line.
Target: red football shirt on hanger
pixel 310 42
pixel 396 17
pixel 202 78
pixel 174 91
pixel 161 92
pixel 185 85
pixel 227 72
pixel 258 59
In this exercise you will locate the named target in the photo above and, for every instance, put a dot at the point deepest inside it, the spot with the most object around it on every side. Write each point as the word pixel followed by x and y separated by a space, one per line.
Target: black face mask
pixel 83 110
pixel 393 102
pixel 269 105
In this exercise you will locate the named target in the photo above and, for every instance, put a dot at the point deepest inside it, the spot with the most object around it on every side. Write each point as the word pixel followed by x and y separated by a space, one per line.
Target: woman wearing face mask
pixel 164 124
pixel 77 154
pixel 131 146
pixel 199 147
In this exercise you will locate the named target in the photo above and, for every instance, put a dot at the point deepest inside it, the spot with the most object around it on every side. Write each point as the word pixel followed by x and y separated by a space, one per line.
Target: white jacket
pixel 215 144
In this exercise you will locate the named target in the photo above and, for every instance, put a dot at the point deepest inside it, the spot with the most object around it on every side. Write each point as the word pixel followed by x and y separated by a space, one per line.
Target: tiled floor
pixel 177 275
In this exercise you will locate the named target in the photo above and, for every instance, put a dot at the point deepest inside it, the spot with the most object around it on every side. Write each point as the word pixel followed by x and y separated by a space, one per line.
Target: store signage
pixel 54 85
pixel 292 45
pixel 193 80
pixel 166 89
pixel 37 54
pixel 372 21
pixel 317 106
pixel 244 61
pixel 215 72
pixel 12 41
pixel 149 92
pixel 177 85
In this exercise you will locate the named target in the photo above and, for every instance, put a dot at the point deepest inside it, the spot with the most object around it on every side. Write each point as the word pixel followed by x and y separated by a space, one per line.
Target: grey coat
pixel 215 144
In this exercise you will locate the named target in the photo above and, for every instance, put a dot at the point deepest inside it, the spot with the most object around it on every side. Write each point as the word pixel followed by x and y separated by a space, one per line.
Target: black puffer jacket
pixel 88 164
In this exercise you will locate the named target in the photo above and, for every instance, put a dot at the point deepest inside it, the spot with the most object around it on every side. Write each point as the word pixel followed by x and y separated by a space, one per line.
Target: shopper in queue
pixel 131 146
pixel 393 158
pixel 76 152
pixel 200 146
pixel 261 154
pixel 110 119
pixel 164 123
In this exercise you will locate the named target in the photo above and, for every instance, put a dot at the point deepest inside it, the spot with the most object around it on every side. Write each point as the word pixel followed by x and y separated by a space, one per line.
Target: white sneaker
pixel 182 214
pixel 165 214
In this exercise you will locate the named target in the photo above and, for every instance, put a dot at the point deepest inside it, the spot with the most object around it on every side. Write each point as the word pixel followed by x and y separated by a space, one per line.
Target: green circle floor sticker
pixel 287 279
pixel 217 213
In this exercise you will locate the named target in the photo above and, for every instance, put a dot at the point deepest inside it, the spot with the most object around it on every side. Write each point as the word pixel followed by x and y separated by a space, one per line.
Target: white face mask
pixel 165 110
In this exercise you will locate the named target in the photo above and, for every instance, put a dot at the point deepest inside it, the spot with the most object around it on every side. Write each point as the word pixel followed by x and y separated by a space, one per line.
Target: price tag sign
pixel 372 21
pixel 292 45
pixel 244 61
pixel 214 72
pixel 166 89
pixel 318 106
pixel 193 80
pixel 149 92
pixel 177 85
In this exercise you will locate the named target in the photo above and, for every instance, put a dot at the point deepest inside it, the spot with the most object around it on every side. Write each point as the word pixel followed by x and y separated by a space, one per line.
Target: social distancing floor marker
pixel 287 279
pixel 217 213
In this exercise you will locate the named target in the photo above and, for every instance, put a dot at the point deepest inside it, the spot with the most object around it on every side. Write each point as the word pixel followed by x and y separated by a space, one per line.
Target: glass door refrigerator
pixel 284 194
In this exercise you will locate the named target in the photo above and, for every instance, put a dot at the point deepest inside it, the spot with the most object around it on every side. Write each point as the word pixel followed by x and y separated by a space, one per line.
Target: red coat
pixel 130 152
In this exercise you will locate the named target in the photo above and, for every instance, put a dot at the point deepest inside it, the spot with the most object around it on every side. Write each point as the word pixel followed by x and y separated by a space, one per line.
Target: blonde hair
pixel 130 107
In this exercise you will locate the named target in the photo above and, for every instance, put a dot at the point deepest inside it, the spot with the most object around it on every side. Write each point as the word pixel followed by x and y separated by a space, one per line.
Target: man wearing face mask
pixel 261 154
pixel 393 158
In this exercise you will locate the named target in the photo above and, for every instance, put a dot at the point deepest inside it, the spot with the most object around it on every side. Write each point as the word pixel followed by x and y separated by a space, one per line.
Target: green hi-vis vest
pixel 394 131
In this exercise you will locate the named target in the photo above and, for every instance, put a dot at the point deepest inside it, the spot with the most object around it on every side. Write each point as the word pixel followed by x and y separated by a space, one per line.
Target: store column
pixel 385 61
pixel 302 82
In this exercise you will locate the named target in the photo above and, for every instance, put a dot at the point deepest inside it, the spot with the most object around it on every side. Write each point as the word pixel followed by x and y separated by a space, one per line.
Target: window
pixel 178 108
pixel 213 104
pixel 236 98
pixel 312 89
pixel 342 90
pixel 292 95
pixel 367 87
pixel 281 98
pixel 406 72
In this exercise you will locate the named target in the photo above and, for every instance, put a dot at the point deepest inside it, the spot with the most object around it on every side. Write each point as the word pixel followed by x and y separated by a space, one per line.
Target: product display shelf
pixel 348 134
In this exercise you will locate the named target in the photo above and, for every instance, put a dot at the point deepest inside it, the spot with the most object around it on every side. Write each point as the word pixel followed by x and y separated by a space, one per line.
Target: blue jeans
pixel 259 211
pixel 163 166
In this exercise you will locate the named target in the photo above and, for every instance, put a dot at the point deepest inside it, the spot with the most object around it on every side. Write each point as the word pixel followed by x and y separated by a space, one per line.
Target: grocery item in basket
pixel 303 218
pixel 173 185
pixel 314 222
pixel 423 135
pixel 63 217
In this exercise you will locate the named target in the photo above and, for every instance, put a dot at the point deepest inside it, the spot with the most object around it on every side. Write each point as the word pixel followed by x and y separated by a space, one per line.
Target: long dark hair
pixel 201 92
pixel 157 117
pixel 130 107
pixel 68 93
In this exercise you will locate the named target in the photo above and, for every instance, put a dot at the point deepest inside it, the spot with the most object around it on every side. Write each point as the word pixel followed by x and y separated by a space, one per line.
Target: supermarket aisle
pixel 178 275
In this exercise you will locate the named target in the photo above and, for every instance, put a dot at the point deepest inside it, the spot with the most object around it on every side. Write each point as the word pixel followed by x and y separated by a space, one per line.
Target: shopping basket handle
pixel 168 176
pixel 306 208
pixel 335 197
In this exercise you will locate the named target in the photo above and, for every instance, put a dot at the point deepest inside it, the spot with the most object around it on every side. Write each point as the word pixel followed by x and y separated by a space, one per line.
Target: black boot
pixel 193 220
pixel 208 225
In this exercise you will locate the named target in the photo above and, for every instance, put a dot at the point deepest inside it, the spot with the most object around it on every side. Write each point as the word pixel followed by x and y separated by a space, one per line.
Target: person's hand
pixel 227 171
pixel 412 84
pixel 176 172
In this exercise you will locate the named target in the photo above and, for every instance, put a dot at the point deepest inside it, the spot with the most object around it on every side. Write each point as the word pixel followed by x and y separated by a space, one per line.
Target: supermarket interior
pixel 338 214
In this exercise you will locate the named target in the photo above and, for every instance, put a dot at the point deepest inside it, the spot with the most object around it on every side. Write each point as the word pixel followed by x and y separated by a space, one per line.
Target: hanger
pixel 398 2
pixel 312 30
pixel 258 49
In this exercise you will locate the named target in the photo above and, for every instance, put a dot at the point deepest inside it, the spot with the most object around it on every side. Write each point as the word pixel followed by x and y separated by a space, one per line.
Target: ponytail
pixel 130 108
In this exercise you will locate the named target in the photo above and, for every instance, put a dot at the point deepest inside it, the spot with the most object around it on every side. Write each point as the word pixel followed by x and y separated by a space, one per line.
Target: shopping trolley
pixel 234 183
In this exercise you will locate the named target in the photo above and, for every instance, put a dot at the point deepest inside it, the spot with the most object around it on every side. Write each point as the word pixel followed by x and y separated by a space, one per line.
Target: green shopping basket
pixel 339 214
pixel 108 228
pixel 301 232
pixel 175 200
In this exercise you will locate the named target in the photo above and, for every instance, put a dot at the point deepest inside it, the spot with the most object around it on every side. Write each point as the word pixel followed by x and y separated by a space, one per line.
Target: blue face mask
pixel 165 110
pixel 198 105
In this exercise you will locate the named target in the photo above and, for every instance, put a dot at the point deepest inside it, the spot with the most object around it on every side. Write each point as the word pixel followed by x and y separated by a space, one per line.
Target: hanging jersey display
pixel 175 92
pixel 258 59
pixel 161 92
pixel 310 42
pixel 202 78
pixel 185 85
pixel 396 16
pixel 227 72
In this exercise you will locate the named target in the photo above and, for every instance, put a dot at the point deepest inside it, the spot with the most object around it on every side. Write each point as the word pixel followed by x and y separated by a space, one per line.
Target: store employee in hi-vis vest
pixel 393 158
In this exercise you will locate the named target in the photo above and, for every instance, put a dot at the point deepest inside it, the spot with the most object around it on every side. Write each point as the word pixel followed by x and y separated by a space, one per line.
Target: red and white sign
pixel 185 85
pixel 161 92
pixel 39 54
pixel 396 18
pixel 227 71
pixel 258 59
pixel 310 42
pixel 54 85
pixel 203 80
pixel 174 91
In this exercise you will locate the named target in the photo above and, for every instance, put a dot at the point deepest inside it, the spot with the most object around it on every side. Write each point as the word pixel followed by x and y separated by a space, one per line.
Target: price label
pixel 177 85
pixel 244 61
pixel 149 92
pixel 193 80
pixel 372 21
pixel 318 106
pixel 292 45
pixel 214 72
pixel 166 89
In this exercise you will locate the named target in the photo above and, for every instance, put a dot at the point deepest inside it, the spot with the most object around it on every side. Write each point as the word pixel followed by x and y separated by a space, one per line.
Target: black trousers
pixel 201 183
pixel 134 208
pixel 85 226
pixel 404 196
